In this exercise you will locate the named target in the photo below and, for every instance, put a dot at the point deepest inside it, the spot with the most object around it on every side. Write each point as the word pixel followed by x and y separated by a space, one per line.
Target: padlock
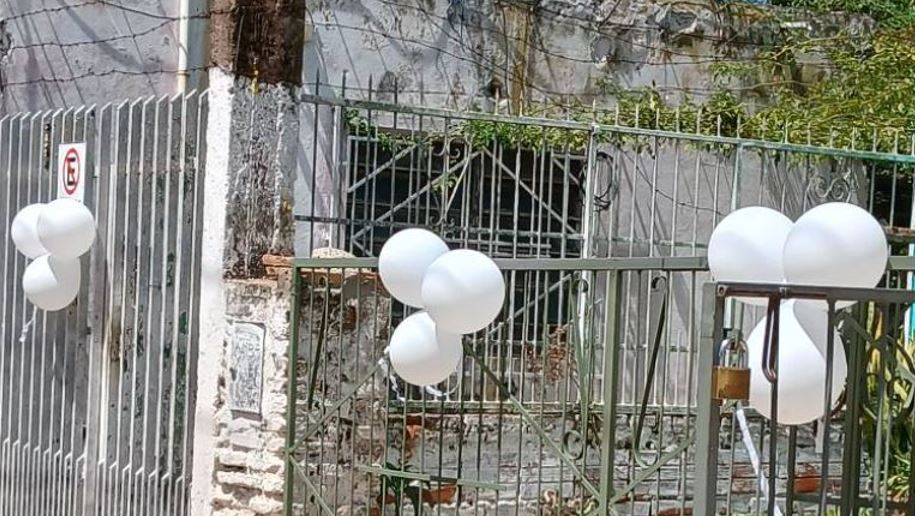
pixel 731 378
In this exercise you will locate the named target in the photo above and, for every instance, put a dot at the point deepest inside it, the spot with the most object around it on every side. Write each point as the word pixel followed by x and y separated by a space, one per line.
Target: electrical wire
pixel 477 56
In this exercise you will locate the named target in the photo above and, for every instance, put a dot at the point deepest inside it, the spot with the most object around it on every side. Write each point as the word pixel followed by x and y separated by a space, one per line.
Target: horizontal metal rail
pixel 596 127
pixel 685 263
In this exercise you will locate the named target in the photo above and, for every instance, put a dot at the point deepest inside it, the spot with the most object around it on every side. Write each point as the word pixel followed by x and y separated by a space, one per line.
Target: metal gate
pixel 97 401
pixel 582 397
pixel 866 448
pixel 531 423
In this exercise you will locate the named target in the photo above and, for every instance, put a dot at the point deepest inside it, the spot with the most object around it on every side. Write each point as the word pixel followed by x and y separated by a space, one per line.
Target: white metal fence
pixel 96 401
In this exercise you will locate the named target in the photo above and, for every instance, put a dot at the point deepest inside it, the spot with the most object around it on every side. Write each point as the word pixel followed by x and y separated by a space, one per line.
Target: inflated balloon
pixel 746 247
pixel 836 245
pixel 801 366
pixel 51 283
pixel 421 353
pixel 66 228
pixel 463 291
pixel 403 262
pixel 24 231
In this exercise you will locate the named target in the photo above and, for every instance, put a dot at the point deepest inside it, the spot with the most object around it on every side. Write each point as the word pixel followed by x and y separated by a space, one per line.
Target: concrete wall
pixel 456 52
pixel 55 54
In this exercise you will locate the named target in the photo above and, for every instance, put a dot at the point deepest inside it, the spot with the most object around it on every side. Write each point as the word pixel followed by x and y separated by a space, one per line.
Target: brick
pixel 266 482
pixel 266 505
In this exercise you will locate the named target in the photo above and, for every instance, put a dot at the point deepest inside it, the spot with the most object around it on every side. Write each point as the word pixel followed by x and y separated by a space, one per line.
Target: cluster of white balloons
pixel 834 244
pixel 460 292
pixel 54 236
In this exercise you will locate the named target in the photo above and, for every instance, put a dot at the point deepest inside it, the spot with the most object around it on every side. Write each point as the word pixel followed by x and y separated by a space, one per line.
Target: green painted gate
pixel 582 397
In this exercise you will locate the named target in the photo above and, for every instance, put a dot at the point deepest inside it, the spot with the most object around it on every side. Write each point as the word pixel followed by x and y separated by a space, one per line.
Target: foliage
pixel 396 490
pixel 865 98
pixel 865 101
pixel 840 90
pixel 362 126
pixel 890 13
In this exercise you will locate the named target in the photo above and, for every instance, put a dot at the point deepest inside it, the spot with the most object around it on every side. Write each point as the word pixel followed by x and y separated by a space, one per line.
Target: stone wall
pixel 250 446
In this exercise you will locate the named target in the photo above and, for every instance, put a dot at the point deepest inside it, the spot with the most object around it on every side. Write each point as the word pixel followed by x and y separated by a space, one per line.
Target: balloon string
pixel 28 326
pixel 444 394
pixel 754 456
pixel 392 378
pixel 383 363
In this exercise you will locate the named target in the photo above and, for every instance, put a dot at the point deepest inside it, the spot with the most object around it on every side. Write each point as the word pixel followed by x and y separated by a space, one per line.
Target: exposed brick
pixel 266 482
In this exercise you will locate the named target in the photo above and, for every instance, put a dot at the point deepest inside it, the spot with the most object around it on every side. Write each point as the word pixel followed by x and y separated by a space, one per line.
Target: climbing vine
pixel 838 90
pixel 889 13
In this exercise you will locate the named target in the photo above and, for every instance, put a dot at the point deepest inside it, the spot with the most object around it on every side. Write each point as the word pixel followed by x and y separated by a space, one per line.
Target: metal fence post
pixel 708 415
pixel 611 382
pixel 291 391
pixel 96 138
pixel 855 395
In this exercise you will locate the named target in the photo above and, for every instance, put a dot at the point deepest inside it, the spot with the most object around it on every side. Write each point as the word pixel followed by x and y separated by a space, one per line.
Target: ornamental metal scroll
pixel 836 183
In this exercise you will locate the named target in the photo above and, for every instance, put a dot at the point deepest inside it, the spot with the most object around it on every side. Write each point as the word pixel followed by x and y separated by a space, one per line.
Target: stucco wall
pixel 72 53
pixel 455 52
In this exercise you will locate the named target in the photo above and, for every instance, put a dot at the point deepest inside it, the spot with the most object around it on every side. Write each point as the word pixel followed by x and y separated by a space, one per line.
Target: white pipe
pixel 192 44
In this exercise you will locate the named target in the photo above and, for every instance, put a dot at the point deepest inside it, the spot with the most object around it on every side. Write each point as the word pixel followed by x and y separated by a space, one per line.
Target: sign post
pixel 71 177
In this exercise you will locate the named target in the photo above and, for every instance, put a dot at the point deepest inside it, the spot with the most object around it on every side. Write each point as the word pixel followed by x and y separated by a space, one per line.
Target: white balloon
pixel 463 291
pixel 746 247
pixel 66 228
pixel 423 354
pixel 24 231
pixel 836 245
pixel 403 262
pixel 51 283
pixel 801 366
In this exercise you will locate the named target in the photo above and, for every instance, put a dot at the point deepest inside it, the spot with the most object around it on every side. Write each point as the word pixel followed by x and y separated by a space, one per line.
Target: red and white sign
pixel 71 174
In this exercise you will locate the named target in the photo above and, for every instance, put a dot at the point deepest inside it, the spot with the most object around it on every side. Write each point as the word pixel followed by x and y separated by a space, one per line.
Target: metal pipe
pixel 193 16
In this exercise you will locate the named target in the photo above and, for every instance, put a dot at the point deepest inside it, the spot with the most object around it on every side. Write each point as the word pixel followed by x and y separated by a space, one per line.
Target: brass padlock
pixel 731 378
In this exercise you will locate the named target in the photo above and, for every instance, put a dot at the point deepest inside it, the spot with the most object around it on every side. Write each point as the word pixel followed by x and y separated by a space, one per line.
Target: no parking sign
pixel 71 180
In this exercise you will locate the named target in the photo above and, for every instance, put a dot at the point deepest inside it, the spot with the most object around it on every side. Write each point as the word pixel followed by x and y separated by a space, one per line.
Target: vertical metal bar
pixel 855 390
pixel 128 268
pixel 34 335
pixel 731 309
pixel 142 296
pixel 772 340
pixel 611 381
pixel 156 306
pixel 95 441
pixel 194 308
pixel 291 392
pixel 24 191
pixel 6 344
pixel 112 259
pixel 827 406
pixel 45 406
pixel 182 288
pixel 708 410
pixel 792 458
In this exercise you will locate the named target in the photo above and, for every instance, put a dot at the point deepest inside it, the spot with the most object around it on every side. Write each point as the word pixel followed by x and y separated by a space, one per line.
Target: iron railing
pixel 517 186
pixel 538 419
pixel 864 452
pixel 526 187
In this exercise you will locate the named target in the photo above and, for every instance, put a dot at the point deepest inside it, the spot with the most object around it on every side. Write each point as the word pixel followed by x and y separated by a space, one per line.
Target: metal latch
pixel 731 378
